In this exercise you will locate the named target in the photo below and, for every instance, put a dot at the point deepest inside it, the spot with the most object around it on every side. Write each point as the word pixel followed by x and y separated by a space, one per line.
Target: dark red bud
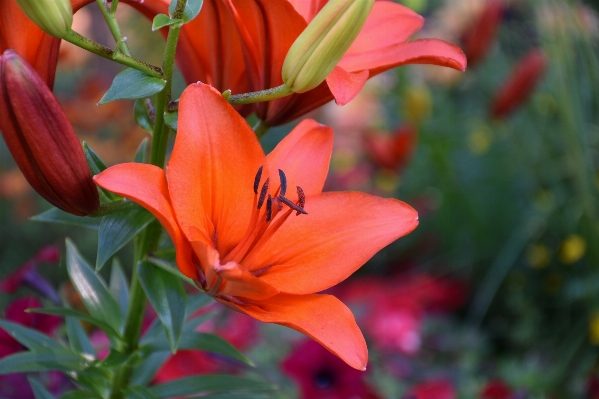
pixel 520 84
pixel 41 139
pixel 480 37
pixel 393 151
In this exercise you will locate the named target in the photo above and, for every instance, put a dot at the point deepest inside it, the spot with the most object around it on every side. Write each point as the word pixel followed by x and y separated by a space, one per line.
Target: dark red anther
pixel 283 180
pixel 257 179
pixel 292 205
pixel 269 209
pixel 301 199
pixel 263 193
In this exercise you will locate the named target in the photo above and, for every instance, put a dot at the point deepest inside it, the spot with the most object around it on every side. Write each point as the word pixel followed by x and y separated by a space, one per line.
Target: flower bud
pixel 54 17
pixel 41 139
pixel 320 47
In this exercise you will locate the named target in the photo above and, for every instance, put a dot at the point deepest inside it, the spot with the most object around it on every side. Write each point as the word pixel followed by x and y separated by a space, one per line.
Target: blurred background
pixel 496 293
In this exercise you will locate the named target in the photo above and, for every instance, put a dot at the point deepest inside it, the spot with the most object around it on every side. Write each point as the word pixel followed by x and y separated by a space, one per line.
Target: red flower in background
pixel 479 39
pixel 496 389
pixel 321 375
pixel 393 151
pixel 520 84
pixel 434 389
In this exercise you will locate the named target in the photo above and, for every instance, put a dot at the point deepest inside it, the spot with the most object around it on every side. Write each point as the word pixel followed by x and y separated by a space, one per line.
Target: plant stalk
pixel 113 25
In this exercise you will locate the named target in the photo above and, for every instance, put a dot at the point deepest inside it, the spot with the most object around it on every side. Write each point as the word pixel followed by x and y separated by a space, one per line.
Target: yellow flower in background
pixel 538 256
pixel 417 104
pixel 594 329
pixel 572 249
pixel 479 140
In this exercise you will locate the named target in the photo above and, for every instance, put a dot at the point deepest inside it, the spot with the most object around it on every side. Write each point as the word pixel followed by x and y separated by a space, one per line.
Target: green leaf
pixel 25 362
pixel 92 289
pixel 115 359
pixel 112 334
pixel 95 379
pixel 78 339
pixel 143 374
pixel 192 9
pixel 167 296
pixel 196 302
pixel 80 395
pixel 162 20
pixel 170 268
pixel 208 384
pixel 32 339
pixel 138 393
pixel 118 286
pixel 95 163
pixel 55 215
pixel 117 229
pixel 142 151
pixel 141 116
pixel 38 390
pixel 171 119
pixel 132 84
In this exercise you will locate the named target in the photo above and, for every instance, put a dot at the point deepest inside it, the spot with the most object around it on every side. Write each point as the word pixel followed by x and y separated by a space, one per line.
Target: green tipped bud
pixel 320 47
pixel 54 17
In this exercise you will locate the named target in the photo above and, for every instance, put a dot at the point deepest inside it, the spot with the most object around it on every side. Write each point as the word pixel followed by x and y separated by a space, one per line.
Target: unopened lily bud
pixel 320 47
pixel 41 139
pixel 54 17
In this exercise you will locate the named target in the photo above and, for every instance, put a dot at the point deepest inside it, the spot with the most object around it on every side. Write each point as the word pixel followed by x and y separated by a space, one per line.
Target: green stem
pixel 113 25
pixel 260 128
pixel 259 96
pixel 103 51
pixel 112 207
pixel 148 241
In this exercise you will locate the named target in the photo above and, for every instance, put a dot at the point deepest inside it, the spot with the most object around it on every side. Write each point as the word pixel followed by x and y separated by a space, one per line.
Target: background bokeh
pixel 496 293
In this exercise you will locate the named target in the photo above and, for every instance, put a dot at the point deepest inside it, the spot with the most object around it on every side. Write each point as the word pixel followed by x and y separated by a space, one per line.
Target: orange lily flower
pixel 246 233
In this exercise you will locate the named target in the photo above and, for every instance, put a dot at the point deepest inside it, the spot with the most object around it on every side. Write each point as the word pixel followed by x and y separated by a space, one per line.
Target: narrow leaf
pixel 38 390
pixel 143 374
pixel 95 163
pixel 141 116
pixel 78 339
pixel 208 384
pixel 170 268
pixel 142 151
pixel 24 362
pixel 55 215
pixel 117 229
pixel 162 20
pixel 32 339
pixel 172 120
pixel 80 395
pixel 118 286
pixel 138 393
pixel 167 296
pixel 132 84
pixel 92 290
pixel 112 334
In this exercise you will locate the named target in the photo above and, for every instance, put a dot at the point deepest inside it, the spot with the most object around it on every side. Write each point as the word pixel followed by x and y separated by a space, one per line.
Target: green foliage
pixel 162 20
pixel 140 113
pixel 32 339
pixel 132 84
pixel 25 362
pixel 118 286
pixel 38 390
pixel 78 339
pixel 192 9
pixel 212 383
pixel 142 151
pixel 55 215
pixel 172 120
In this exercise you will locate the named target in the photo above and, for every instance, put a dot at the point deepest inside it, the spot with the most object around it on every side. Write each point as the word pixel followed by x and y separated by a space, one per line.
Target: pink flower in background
pixel 433 389
pixel 496 389
pixel 321 375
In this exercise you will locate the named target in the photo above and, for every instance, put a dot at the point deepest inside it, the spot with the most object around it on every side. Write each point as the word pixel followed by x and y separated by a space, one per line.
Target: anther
pixel 301 199
pixel 263 193
pixel 293 206
pixel 257 179
pixel 269 209
pixel 283 180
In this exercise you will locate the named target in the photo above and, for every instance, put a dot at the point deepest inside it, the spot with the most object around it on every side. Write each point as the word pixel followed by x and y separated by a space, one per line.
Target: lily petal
pixel 146 185
pixel 323 318
pixel 304 155
pixel 344 85
pixel 212 168
pixel 241 283
pixel 313 252
pixel 423 51
pixel 388 23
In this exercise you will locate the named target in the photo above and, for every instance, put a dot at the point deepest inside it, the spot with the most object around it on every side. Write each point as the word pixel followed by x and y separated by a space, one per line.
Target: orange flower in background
pixel 41 139
pixel 391 151
pixel 520 84
pixel 479 39
pixel 246 232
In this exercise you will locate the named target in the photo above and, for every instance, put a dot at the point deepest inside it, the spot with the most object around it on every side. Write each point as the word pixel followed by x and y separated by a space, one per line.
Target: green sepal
pixel 132 84
pixel 162 20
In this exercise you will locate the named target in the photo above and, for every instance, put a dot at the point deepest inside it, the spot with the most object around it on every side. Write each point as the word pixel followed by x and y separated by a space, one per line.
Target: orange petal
pixel 323 318
pixel 241 283
pixel 212 168
pixel 146 185
pixel 424 51
pixel 308 8
pixel 344 85
pixel 341 231
pixel 304 155
pixel 388 23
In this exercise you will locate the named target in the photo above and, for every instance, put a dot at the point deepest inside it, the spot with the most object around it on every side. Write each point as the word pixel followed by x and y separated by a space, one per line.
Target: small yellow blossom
pixel 572 249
